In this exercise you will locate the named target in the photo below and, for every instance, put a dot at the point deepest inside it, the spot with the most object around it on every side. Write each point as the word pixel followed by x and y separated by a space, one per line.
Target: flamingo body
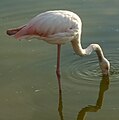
pixel 55 27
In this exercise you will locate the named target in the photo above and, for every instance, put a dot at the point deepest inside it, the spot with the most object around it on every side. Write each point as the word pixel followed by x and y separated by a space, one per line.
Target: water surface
pixel 28 83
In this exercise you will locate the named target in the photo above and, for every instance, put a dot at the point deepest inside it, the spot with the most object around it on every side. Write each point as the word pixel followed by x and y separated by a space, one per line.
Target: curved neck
pixel 97 49
pixel 76 43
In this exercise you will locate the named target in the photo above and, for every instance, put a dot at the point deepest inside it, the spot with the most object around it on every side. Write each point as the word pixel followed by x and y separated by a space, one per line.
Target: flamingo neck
pixel 97 49
pixel 76 43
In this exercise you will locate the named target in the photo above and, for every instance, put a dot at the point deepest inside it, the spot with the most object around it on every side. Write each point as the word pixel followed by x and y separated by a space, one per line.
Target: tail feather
pixel 23 32
pixel 14 31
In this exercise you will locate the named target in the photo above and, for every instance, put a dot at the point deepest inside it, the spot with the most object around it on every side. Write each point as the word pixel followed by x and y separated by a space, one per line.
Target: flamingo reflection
pixel 104 85
pixel 60 105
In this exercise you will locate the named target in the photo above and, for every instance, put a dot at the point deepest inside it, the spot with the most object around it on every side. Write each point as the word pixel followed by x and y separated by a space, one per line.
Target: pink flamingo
pixel 59 27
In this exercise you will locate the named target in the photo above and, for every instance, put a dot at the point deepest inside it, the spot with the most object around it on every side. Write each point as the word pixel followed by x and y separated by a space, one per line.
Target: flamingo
pixel 59 27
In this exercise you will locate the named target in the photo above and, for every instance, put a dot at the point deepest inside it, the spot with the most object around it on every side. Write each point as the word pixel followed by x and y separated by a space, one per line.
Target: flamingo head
pixel 105 66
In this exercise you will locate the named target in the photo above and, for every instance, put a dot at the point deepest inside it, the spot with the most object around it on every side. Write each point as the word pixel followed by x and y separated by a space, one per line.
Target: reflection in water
pixel 104 85
pixel 60 106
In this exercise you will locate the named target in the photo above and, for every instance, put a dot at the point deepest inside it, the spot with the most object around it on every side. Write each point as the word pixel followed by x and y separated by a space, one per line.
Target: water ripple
pixel 83 70
pixel 114 73
pixel 86 70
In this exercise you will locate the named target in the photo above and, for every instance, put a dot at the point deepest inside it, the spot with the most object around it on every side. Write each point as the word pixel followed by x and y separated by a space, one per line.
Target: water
pixel 28 84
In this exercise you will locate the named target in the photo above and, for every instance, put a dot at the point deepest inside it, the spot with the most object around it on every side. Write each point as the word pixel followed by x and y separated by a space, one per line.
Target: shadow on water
pixel 104 85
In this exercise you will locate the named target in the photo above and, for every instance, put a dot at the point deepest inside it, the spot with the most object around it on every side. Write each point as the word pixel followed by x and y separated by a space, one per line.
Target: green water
pixel 28 83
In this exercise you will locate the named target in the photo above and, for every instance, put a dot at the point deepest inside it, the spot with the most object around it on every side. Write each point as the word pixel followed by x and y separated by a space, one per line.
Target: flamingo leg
pixel 58 65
